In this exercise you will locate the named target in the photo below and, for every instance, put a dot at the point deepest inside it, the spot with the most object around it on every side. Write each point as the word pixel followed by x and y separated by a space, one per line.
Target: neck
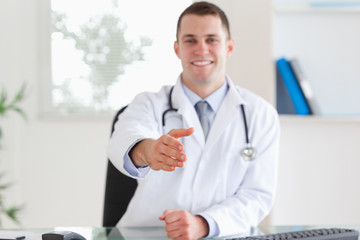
pixel 203 88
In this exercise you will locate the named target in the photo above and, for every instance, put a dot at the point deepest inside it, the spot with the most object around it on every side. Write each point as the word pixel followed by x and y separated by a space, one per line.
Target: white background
pixel 58 165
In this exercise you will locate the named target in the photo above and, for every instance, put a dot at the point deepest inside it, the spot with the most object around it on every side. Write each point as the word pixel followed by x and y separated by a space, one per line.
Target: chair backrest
pixel 119 190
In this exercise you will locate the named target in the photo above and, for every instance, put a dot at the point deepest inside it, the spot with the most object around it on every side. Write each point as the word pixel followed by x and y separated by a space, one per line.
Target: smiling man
pixel 185 144
pixel 203 45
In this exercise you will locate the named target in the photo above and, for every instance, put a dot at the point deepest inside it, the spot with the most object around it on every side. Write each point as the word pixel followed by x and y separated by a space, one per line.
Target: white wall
pixel 251 65
pixel 59 165
pixel 319 172
pixel 319 180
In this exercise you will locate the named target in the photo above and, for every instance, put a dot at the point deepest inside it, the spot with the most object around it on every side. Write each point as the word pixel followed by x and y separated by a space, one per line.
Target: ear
pixel 230 47
pixel 176 49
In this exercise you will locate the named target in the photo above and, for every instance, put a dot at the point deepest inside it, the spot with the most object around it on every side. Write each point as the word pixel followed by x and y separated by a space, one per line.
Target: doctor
pixel 195 182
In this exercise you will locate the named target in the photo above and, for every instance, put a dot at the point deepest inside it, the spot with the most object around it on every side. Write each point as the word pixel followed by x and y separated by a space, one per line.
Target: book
pixel 305 86
pixel 283 101
pixel 296 95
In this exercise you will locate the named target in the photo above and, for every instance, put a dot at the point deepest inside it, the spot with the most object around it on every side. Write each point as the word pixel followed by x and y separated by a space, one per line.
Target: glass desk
pixel 94 233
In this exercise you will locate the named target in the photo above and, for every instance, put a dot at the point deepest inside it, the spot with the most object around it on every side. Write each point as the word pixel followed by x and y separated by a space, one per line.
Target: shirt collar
pixel 215 99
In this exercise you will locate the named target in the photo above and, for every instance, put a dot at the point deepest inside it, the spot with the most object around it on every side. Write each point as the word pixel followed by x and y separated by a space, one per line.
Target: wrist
pixel 204 226
pixel 137 154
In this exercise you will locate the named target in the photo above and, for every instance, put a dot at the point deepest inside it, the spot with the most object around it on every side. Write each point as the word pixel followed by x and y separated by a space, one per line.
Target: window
pixel 105 52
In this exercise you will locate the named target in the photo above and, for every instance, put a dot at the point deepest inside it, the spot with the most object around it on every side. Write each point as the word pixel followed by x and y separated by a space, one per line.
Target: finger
pixel 172 154
pixel 164 161
pixel 163 216
pixel 181 132
pixel 174 226
pixel 171 142
pixel 172 162
pixel 172 216
pixel 162 166
pixel 175 234
pixel 168 168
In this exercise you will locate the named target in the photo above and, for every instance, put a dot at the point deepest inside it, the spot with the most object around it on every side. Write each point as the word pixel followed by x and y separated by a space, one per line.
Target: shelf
pixel 317 8
pixel 309 9
pixel 284 118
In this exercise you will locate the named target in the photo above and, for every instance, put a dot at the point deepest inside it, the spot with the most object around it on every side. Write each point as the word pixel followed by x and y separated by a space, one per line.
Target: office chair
pixel 119 190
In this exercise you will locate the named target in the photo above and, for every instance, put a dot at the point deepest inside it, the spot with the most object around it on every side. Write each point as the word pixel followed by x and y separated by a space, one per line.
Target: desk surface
pixel 91 233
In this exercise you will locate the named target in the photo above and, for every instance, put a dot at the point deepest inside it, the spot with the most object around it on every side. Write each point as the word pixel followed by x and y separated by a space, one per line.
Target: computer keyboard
pixel 313 234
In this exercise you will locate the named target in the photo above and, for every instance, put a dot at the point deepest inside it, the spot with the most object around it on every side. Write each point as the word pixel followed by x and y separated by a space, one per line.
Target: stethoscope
pixel 249 152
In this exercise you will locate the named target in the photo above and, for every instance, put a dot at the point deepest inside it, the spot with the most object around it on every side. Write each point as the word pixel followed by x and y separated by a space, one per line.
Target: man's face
pixel 203 47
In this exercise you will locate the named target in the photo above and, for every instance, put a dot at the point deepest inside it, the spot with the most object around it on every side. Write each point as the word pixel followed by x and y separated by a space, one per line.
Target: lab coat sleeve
pixel 129 166
pixel 138 121
pixel 213 227
pixel 255 195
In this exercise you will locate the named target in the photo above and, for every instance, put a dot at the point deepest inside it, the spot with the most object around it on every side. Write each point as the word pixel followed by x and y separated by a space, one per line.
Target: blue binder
pixel 284 103
pixel 296 95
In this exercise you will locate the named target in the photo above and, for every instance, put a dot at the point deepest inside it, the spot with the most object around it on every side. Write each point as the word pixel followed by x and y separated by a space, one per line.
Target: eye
pixel 190 40
pixel 212 40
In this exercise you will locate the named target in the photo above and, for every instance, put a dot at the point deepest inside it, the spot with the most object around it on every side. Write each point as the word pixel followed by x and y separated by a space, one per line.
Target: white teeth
pixel 201 63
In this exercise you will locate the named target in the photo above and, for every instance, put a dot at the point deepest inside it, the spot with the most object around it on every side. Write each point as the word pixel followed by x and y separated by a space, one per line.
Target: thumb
pixel 163 216
pixel 166 213
pixel 181 132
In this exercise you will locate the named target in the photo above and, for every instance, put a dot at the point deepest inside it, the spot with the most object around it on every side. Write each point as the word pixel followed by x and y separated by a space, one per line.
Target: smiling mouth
pixel 201 63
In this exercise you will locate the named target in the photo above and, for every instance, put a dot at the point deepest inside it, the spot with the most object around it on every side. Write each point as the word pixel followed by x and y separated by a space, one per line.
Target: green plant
pixel 12 211
pixel 7 106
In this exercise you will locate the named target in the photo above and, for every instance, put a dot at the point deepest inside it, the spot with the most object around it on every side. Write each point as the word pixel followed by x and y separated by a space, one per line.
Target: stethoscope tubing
pixel 171 108
pixel 245 124
pixel 248 152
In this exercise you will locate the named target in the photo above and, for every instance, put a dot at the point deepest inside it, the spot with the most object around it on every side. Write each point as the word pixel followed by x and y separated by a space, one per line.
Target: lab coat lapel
pixel 230 109
pixel 187 111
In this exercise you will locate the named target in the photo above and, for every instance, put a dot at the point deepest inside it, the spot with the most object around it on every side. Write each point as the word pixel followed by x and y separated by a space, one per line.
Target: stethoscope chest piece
pixel 249 153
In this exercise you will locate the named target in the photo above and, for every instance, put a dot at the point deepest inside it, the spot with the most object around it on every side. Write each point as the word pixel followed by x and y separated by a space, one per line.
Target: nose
pixel 201 48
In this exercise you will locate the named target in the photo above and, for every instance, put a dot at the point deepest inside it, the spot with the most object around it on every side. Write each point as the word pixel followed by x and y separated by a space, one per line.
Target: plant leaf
pixel 12 213
pixel 20 111
pixel 5 107
pixel 21 94
pixel 4 186
pixel 3 97
pixel 2 102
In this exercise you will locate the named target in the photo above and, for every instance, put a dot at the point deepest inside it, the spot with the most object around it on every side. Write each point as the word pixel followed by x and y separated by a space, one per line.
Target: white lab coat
pixel 216 180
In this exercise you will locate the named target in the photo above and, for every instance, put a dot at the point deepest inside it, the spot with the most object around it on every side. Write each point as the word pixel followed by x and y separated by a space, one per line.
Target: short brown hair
pixel 203 9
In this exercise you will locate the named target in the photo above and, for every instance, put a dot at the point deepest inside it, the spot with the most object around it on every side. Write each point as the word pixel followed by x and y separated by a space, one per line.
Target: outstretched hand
pixel 164 153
